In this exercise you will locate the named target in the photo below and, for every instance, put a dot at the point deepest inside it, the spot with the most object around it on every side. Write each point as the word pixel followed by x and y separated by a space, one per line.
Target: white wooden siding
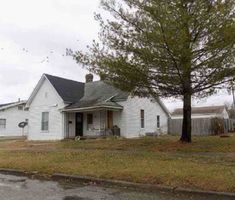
pixel 52 103
pixel 72 125
pixel 129 120
pixel 13 117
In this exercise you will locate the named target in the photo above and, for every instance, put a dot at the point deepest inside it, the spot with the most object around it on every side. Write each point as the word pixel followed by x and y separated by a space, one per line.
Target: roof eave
pixel 13 105
pixel 92 108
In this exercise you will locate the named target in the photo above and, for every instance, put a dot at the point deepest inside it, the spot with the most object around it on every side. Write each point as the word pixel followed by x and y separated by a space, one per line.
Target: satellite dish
pixel 22 124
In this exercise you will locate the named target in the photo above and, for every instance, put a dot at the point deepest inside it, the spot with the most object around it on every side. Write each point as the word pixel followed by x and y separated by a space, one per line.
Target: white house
pixel 203 121
pixel 11 114
pixel 60 108
pixel 203 112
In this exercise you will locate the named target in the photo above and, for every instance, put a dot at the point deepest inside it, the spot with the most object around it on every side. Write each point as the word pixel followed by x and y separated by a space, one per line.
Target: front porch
pixel 92 123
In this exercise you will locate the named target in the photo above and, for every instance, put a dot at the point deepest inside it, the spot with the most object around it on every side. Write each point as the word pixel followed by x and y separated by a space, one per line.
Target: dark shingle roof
pixel 11 104
pixel 69 90
pixel 99 93
pixel 5 104
pixel 92 94
pixel 201 110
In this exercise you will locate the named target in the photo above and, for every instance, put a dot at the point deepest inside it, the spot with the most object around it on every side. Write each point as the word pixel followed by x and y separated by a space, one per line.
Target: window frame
pixel 4 125
pixel 158 121
pixel 43 121
pixel 142 118
pixel 20 107
pixel 90 121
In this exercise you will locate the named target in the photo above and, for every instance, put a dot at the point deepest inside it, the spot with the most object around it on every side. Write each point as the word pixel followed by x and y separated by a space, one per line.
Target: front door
pixel 79 124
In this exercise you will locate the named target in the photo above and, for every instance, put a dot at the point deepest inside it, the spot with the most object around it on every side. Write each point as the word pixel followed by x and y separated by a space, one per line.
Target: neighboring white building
pixel 203 121
pixel 11 115
pixel 203 112
pixel 60 108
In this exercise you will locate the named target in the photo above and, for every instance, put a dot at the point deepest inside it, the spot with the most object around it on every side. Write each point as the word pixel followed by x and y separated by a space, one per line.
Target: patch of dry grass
pixel 158 144
pixel 207 163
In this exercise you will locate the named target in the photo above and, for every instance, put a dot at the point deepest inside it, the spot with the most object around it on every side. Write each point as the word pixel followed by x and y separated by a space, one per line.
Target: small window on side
pixel 45 121
pixel 158 121
pixel 20 107
pixel 142 118
pixel 3 123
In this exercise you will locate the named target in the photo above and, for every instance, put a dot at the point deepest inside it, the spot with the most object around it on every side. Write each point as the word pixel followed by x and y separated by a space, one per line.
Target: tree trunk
pixel 186 127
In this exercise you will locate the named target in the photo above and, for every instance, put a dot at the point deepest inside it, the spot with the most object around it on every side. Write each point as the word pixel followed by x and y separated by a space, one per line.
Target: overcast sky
pixel 33 37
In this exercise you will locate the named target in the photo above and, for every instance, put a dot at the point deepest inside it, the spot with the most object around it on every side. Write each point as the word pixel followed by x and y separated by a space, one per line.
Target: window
pixel 20 107
pixel 2 123
pixel 142 118
pixel 45 121
pixel 89 121
pixel 26 109
pixel 46 95
pixel 158 121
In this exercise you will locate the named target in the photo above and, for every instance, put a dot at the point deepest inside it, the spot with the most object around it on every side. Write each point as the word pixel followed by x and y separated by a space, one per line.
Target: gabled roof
pixel 69 90
pixel 202 110
pixel 97 94
pixel 5 104
pixel 100 94
pixel 12 104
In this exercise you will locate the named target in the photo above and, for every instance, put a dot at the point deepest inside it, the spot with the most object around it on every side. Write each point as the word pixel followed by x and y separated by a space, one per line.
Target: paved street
pixel 22 188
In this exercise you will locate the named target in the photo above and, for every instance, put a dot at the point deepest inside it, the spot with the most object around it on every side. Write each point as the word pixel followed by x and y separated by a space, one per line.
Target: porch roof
pixel 87 106
pixel 99 95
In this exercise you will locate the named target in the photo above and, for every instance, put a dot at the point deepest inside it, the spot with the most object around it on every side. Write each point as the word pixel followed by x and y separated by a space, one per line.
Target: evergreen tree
pixel 167 48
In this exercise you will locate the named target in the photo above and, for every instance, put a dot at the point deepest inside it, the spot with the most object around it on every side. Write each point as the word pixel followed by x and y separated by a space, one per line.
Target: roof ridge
pixel 13 102
pixel 202 109
pixel 63 78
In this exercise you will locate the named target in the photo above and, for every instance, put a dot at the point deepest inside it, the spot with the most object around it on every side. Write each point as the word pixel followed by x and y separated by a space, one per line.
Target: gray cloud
pixel 34 36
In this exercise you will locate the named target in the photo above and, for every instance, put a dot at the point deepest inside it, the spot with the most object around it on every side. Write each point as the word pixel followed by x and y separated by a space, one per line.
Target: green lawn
pixel 208 163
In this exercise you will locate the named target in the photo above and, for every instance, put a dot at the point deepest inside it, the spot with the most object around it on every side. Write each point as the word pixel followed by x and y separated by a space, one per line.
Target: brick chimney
pixel 89 78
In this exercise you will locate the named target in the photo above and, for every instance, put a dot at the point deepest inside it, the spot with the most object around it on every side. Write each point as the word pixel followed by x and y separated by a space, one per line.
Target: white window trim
pixel 158 127
pixel 45 131
pixel 142 118
pixel 88 125
pixel 5 125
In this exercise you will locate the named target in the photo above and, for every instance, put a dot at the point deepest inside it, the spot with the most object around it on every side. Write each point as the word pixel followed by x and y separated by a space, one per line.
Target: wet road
pixel 22 188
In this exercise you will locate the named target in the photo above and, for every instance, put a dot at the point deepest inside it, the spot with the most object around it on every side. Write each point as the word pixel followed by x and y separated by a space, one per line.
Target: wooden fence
pixel 200 126
pixel 231 125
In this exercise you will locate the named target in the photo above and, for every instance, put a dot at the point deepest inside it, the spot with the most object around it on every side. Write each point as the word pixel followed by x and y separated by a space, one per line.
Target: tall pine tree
pixel 167 48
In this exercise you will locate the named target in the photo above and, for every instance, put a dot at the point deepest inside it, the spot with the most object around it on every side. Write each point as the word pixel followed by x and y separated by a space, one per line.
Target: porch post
pixel 64 125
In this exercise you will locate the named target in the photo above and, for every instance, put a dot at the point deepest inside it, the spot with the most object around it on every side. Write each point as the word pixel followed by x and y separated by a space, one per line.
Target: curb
pixel 149 187
pixel 86 179
pixel 126 184
pixel 204 192
pixel 16 172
